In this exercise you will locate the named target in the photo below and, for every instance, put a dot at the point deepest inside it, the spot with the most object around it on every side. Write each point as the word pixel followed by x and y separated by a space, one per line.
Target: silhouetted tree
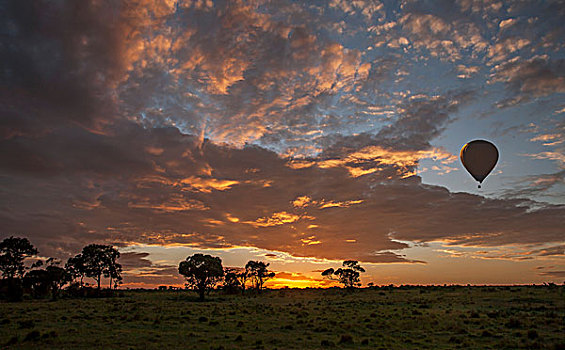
pixel 114 270
pixel 58 277
pixel 243 276
pixel 258 272
pixel 202 272
pixel 98 260
pixel 232 284
pixel 51 279
pixel 13 252
pixel 348 275
pixel 38 282
pixel 11 289
pixel 76 269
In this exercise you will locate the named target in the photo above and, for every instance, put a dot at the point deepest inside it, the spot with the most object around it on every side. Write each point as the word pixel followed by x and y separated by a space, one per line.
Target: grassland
pixel 416 318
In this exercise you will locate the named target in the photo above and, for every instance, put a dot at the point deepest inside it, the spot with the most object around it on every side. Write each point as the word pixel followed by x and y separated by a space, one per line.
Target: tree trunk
pixel 54 292
pixel 99 282
pixel 201 293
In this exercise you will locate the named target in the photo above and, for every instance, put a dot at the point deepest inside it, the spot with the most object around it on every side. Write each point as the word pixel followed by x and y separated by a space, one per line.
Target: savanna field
pixel 412 318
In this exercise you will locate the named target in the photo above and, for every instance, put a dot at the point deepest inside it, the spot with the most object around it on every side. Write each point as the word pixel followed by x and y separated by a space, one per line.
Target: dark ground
pixel 415 318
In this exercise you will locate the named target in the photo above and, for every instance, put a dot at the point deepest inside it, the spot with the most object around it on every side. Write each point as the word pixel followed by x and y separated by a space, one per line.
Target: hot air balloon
pixel 479 158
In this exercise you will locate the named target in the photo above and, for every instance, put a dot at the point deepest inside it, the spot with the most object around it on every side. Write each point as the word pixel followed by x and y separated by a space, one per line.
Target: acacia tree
pixel 37 281
pixel 242 277
pixel 75 268
pixel 259 273
pixel 113 271
pixel 232 283
pixel 13 252
pixel 58 277
pixel 97 260
pixel 348 275
pixel 202 272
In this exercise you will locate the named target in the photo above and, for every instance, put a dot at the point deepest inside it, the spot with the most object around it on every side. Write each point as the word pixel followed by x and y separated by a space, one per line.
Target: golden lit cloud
pixel 207 184
pixel 378 157
pixel 276 219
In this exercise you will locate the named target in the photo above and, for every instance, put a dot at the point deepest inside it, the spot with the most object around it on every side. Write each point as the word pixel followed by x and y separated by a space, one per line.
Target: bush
pixel 11 289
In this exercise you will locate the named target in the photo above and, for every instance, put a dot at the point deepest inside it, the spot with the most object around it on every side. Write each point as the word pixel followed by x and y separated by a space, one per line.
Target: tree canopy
pixel 259 273
pixel 348 275
pixel 95 261
pixel 202 272
pixel 13 252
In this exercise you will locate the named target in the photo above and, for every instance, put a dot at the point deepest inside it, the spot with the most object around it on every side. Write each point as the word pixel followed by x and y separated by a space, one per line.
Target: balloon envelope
pixel 479 158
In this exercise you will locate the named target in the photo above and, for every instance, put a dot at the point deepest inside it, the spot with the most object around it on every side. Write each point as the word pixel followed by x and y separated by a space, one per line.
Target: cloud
pixel 511 253
pixel 134 260
pixel 151 277
pixel 141 272
pixel 536 77
pixel 549 139
pixel 446 34
pixel 222 68
pixel 555 274
pixel 556 250
pixel 537 185
pixel 61 61
pixel 128 209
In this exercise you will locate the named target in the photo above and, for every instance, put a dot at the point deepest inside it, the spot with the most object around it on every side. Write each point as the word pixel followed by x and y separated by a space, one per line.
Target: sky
pixel 299 133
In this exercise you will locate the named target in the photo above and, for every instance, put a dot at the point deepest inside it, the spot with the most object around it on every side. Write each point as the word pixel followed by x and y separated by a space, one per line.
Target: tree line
pixel 203 273
pixel 47 276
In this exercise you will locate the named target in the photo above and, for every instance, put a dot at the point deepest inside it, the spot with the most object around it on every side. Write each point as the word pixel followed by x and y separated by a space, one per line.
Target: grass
pixel 415 318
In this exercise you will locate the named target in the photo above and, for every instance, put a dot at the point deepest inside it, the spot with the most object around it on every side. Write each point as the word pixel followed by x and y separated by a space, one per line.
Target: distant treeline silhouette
pixel 203 273
pixel 46 277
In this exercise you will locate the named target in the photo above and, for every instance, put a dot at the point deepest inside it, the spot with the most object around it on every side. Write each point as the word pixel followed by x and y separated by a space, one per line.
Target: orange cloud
pixel 276 219
pixel 176 203
pixel 207 184
pixel 379 156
